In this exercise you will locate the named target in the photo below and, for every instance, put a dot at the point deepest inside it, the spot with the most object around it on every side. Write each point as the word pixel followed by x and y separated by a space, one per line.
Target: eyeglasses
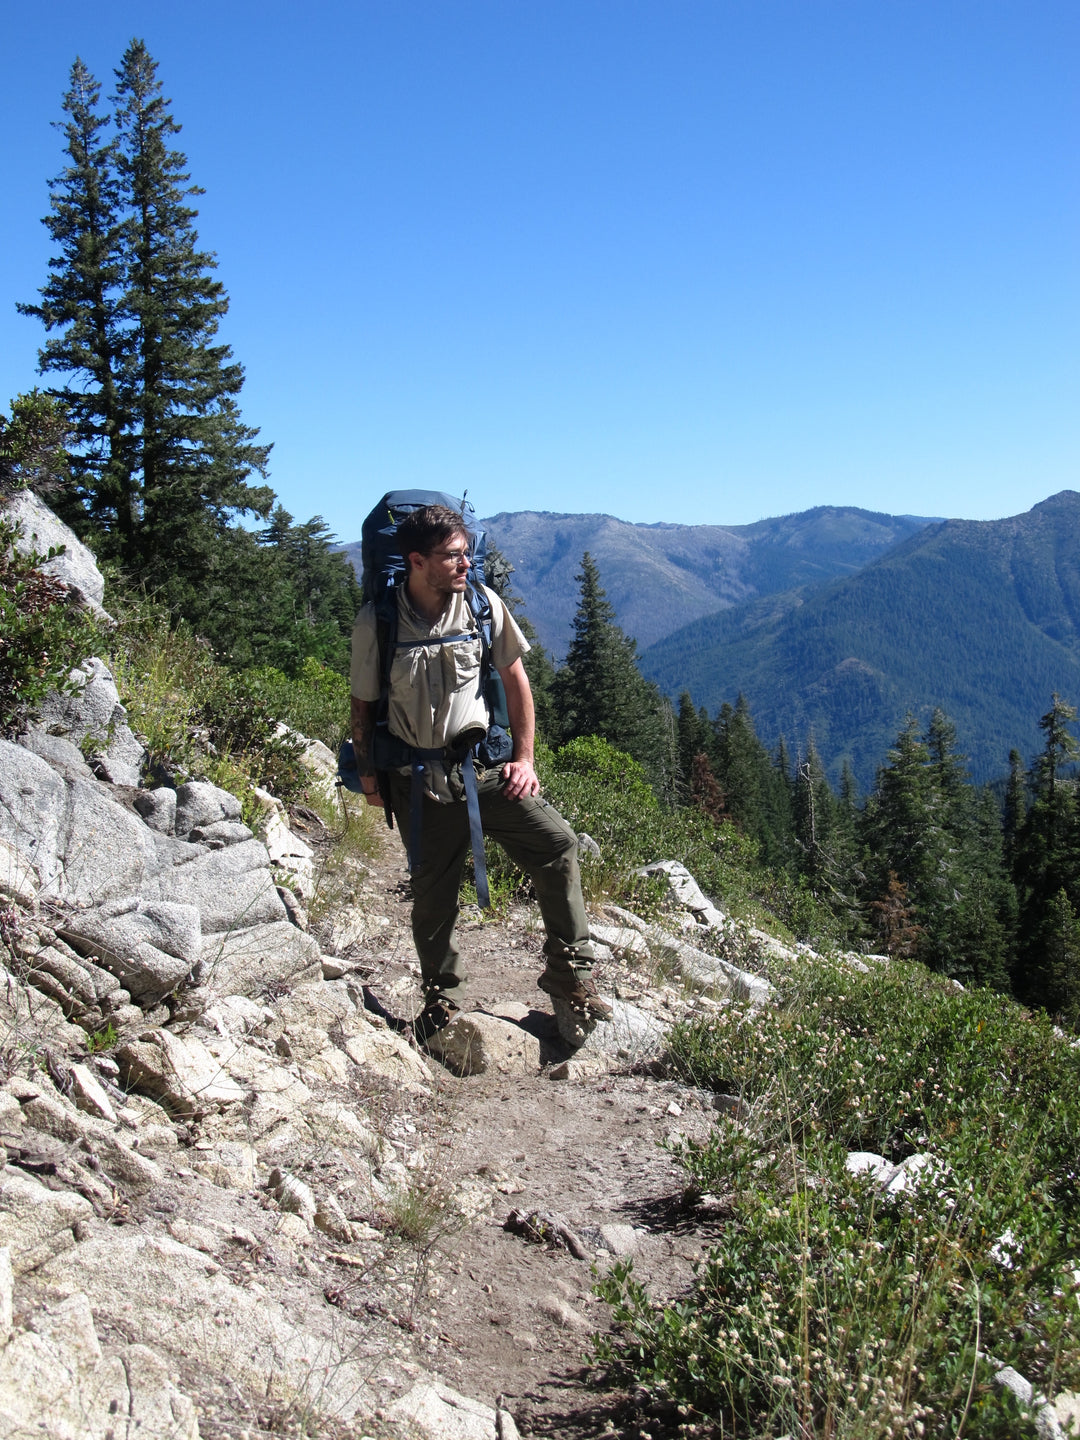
pixel 454 556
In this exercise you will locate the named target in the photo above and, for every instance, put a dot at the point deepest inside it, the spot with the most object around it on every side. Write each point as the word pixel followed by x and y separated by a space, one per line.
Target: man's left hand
pixel 520 778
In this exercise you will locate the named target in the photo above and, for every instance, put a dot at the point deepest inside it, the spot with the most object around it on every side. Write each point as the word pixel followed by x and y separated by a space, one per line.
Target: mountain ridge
pixel 981 617
pixel 662 575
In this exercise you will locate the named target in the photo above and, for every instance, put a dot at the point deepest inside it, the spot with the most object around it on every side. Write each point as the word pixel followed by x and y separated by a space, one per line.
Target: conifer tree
pixel 693 739
pixel 600 691
pixel 81 300
pixel 1015 809
pixel 163 457
pixel 1060 940
pixel 756 795
pixel 192 454
pixel 1047 850
pixel 815 824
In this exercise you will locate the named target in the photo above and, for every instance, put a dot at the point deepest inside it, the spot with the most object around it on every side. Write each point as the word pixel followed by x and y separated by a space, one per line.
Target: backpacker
pixel 383 570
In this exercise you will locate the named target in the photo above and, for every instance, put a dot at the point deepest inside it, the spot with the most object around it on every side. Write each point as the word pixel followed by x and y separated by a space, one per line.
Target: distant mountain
pixel 661 577
pixel 979 617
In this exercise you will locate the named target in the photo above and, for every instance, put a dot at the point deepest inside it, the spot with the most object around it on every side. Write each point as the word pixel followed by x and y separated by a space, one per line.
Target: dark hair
pixel 427 527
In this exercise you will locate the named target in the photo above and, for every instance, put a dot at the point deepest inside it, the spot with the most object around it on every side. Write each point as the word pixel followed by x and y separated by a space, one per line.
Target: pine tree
pixel 1047 850
pixel 748 779
pixel 926 829
pixel 815 824
pixel 599 690
pixel 692 737
pixel 1015 810
pixel 163 458
pixel 1060 940
pixel 192 454
pixel 81 301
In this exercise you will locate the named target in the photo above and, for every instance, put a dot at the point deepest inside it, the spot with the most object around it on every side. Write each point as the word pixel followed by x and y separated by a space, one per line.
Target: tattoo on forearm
pixel 362 727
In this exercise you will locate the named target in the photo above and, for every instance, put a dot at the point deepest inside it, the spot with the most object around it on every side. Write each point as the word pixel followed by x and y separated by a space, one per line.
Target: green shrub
pixel 825 1308
pixel 315 702
pixel 196 717
pixel 42 636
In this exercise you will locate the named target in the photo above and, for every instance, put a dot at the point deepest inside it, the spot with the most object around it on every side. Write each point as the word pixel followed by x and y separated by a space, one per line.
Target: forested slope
pixel 981 618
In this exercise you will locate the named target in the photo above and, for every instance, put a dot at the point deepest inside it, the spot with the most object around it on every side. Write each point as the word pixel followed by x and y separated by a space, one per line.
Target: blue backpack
pixel 383 571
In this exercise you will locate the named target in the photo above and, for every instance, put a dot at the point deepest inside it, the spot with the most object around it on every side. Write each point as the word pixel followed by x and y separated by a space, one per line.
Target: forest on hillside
pixel 141 447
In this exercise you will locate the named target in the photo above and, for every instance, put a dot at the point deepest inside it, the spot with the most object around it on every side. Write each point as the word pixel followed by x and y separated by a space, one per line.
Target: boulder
pixel 630 1036
pixel 179 1071
pixel 36 1223
pixel 686 892
pixel 289 853
pixel 231 888
pixel 620 939
pixel 92 715
pixel 54 1380
pixel 708 972
pixel 18 881
pixel 200 803
pixel 158 1292
pixel 41 531
pixel 107 851
pixel 433 1411
pixel 221 832
pixel 387 1054
pixel 33 810
pixel 149 945
pixel 479 1044
pixel 245 961
pixel 158 808
pixel 64 757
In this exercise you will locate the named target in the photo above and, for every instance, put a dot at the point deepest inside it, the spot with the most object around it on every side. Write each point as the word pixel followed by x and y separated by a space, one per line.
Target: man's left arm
pixel 519 773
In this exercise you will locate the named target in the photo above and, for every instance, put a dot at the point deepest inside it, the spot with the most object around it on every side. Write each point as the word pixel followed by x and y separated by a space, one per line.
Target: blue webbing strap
pixel 416 803
pixel 472 805
pixel 476 832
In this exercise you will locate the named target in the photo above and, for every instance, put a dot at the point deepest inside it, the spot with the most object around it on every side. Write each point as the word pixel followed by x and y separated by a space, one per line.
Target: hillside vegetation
pixel 980 618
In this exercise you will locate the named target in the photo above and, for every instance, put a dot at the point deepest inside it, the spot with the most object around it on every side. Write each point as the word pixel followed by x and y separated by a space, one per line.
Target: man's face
pixel 446 568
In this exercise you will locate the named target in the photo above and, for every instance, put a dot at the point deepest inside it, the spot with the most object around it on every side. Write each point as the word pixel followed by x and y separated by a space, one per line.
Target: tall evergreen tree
pixel 928 832
pixel 693 739
pixel 1015 808
pixel 81 300
pixel 163 458
pixel 1047 850
pixel 600 691
pixel 192 454
pixel 815 825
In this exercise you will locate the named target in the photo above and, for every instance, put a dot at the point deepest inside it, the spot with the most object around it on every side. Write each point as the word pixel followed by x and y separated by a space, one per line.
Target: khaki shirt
pixel 435 689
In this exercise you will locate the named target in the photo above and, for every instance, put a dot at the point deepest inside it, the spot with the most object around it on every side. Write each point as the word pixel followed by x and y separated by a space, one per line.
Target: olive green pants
pixel 536 838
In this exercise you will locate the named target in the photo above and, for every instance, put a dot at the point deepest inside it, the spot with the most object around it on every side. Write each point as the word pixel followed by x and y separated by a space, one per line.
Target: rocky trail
pixel 235 1198
pixel 244 1202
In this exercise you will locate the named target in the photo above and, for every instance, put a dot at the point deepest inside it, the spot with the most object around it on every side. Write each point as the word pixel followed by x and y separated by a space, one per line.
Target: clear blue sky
pixel 689 260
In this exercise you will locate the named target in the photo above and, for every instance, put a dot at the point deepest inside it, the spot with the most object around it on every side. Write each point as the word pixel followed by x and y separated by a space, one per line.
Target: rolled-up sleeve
pixel 507 642
pixel 364 669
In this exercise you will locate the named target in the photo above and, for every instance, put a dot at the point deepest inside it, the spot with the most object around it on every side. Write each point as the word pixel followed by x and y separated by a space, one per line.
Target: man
pixel 434 700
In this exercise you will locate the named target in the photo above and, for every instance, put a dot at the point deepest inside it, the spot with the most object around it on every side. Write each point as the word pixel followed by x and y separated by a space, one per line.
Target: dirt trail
pixel 495 1314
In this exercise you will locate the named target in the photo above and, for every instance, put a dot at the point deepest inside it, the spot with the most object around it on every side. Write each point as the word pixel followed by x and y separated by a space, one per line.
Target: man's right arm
pixel 363 728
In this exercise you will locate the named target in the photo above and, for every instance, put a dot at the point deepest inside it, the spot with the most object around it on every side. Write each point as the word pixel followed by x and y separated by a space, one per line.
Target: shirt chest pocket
pixel 461 665
pixel 435 671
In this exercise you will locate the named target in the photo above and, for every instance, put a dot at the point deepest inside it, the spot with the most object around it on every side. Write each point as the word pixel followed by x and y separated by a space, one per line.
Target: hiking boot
pixel 436 1015
pixel 578 990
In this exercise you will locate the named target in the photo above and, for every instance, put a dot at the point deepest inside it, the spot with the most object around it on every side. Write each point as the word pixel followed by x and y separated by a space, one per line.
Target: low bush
pixel 197 718
pixel 42 636
pixel 315 702
pixel 826 1308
